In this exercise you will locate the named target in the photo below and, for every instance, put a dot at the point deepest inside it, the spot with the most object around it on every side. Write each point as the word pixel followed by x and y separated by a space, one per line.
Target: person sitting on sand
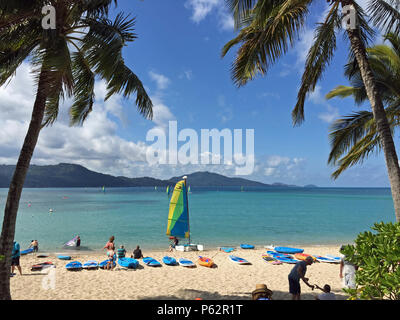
pixel 261 293
pixel 298 272
pixel 121 252
pixel 326 293
pixel 137 253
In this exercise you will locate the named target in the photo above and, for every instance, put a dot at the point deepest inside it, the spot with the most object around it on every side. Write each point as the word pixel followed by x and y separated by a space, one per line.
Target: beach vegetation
pixel 354 137
pixel 268 29
pixel 377 255
pixel 66 61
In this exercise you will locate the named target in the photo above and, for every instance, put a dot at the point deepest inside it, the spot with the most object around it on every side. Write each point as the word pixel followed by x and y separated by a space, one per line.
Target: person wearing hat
pixel 261 293
pixel 298 272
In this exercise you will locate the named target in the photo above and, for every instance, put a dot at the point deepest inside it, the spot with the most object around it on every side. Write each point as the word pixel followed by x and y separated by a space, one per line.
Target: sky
pixel 177 55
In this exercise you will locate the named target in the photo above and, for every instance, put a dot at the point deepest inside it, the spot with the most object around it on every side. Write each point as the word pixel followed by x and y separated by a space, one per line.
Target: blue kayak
pixel 238 260
pixel 129 263
pixel 227 249
pixel 151 262
pixel 90 265
pixel 282 257
pixel 30 250
pixel 186 263
pixel 74 266
pixel 247 246
pixel 288 250
pixel 64 257
pixel 103 264
pixel 169 261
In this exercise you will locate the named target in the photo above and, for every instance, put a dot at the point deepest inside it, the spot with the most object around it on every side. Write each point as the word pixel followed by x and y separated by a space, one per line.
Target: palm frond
pixel 318 58
pixel 385 15
pixel 83 89
pixel 262 45
pixel 126 82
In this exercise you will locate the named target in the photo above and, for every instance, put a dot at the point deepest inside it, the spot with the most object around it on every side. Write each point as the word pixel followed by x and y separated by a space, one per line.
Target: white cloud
pixel 203 8
pixel 188 74
pixel 161 80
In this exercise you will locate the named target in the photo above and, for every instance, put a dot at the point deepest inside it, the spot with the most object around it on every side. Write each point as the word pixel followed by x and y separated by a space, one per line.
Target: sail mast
pixel 187 205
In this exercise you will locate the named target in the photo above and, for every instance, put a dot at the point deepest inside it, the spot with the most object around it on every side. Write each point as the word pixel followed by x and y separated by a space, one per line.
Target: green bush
pixel 377 254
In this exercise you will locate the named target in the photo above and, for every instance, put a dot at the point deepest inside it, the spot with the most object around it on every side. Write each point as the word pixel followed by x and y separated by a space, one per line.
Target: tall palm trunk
pixel 16 185
pixel 380 118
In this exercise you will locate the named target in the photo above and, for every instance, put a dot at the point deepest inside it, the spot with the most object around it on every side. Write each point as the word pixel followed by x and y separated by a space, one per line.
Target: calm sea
pixel 218 216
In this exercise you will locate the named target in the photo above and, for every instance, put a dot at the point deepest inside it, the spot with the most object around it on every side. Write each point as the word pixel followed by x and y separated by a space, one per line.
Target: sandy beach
pixel 227 281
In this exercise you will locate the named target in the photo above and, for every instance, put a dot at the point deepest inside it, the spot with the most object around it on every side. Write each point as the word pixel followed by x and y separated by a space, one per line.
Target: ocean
pixel 218 216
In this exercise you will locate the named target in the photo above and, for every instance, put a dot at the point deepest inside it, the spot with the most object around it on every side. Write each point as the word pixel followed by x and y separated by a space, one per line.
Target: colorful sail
pixel 167 190
pixel 178 217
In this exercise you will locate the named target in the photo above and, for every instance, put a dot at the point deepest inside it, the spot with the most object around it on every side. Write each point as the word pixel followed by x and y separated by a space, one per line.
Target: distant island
pixel 65 175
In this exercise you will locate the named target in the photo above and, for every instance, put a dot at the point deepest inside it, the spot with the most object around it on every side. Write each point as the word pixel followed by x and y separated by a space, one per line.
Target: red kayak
pixel 41 266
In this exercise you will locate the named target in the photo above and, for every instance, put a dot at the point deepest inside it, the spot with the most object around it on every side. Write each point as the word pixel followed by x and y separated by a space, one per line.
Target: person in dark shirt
pixel 78 242
pixel 137 253
pixel 298 272
pixel 174 243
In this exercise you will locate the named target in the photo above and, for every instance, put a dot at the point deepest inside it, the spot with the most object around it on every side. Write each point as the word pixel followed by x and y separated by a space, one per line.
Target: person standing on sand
pixel 15 255
pixel 111 259
pixel 298 272
pixel 347 272
pixel 110 244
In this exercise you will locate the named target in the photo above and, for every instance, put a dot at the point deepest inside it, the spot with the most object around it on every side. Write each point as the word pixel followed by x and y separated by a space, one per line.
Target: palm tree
pixel 269 27
pixel 354 137
pixel 66 62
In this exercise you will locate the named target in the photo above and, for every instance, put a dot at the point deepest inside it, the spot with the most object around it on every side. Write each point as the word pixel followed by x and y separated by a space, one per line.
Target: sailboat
pixel 178 216
pixel 189 190
pixel 167 190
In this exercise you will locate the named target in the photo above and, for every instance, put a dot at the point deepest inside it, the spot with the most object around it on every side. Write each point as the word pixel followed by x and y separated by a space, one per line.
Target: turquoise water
pixel 218 217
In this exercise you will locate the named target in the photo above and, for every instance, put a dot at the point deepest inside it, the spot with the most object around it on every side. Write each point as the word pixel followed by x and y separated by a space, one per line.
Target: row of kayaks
pixel 131 263
pixel 278 257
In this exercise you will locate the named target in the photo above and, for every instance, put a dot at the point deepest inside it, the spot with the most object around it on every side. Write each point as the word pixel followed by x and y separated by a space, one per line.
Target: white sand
pixel 227 281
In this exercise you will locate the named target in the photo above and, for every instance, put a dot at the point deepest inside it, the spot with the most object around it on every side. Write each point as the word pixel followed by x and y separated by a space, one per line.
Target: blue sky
pixel 178 57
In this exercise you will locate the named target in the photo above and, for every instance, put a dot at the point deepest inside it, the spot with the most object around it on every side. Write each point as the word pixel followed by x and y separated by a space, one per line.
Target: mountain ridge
pixel 66 175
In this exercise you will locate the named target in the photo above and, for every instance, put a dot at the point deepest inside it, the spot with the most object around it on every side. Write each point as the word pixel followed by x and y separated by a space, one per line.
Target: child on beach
pixel 111 258
pixel 326 293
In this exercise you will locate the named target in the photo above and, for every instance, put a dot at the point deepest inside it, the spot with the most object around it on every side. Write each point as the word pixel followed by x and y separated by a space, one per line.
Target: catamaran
pixel 178 217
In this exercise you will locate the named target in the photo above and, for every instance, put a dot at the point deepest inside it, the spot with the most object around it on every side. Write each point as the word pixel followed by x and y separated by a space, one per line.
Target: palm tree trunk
pixel 16 185
pixel 380 118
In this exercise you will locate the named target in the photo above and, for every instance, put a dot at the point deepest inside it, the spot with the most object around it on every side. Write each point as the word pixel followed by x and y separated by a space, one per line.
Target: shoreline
pixel 227 281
